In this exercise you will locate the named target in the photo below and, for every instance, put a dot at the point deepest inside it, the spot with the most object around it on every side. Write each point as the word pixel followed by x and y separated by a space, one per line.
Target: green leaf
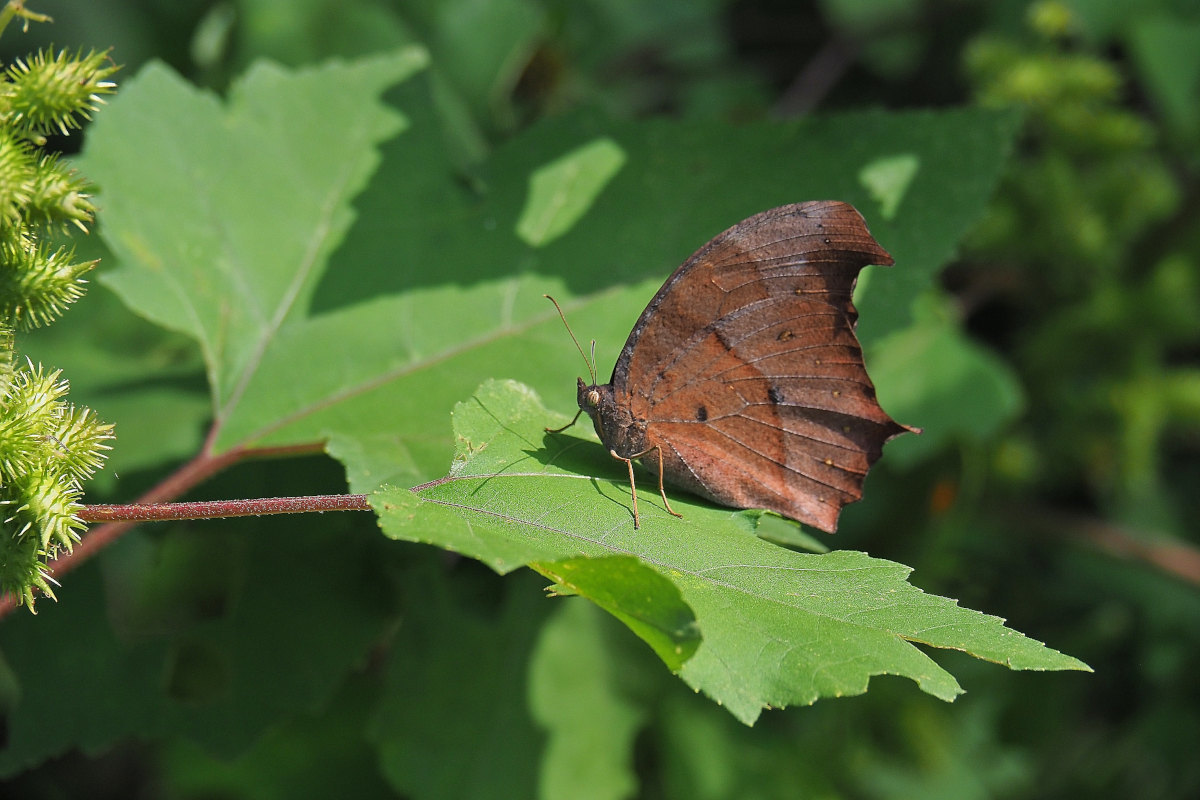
pixel 649 604
pixel 259 197
pixel 783 531
pixel 319 325
pixel 580 692
pixel 779 628
pixel 562 191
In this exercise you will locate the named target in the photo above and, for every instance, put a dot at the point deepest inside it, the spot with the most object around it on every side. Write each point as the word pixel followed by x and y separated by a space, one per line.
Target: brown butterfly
pixel 743 381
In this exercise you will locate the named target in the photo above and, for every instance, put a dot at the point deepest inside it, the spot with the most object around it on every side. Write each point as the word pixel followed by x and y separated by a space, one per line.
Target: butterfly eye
pixel 593 398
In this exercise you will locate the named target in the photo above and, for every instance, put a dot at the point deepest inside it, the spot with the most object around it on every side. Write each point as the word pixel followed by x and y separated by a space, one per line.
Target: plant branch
pixel 819 76
pixel 1179 559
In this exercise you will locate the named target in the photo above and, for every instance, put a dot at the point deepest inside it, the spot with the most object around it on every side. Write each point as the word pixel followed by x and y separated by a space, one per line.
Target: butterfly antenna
pixel 591 365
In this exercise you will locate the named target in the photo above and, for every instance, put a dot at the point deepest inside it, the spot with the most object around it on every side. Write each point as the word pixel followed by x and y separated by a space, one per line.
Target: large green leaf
pixel 779 628
pixel 234 212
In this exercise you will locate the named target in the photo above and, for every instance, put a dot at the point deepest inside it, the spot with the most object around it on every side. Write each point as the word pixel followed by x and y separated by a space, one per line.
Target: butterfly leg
pixel 633 489
pixel 564 427
pixel 632 486
pixel 661 490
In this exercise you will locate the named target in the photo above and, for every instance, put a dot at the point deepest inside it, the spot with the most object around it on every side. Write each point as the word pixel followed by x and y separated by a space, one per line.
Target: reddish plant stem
pixel 194 472
pixel 216 509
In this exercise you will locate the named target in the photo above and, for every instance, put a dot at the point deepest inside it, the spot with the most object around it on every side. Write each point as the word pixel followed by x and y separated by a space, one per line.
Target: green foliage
pixel 48 447
pixel 317 265
pixel 590 709
pixel 1083 216
pixel 248 294
pixel 297 300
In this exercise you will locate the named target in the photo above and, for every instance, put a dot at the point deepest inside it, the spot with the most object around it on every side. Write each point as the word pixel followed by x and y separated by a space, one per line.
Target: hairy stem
pixel 216 509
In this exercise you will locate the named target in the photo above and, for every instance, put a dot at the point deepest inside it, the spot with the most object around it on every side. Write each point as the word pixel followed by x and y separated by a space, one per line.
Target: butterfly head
pixel 612 420
pixel 593 400
pixel 591 396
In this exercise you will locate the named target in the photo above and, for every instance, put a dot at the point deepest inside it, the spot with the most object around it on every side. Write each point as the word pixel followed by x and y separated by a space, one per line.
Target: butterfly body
pixel 743 381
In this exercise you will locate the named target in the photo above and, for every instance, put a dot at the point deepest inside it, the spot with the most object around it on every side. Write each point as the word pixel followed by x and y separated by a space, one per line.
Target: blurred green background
pixel 1077 521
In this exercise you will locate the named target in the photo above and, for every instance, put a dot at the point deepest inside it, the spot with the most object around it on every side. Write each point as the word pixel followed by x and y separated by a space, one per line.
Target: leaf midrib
pixel 308 264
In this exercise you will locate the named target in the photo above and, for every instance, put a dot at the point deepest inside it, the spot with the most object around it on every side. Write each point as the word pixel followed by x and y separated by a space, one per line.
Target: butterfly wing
pixel 746 371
